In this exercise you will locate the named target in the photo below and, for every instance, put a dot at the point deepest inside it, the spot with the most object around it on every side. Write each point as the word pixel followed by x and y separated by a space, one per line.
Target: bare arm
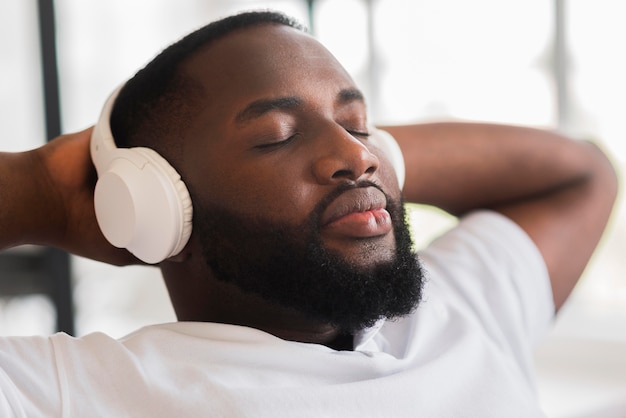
pixel 46 198
pixel 560 191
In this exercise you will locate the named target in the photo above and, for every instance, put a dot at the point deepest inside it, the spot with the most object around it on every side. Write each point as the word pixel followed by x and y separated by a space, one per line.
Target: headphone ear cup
pixel 143 205
pixel 387 143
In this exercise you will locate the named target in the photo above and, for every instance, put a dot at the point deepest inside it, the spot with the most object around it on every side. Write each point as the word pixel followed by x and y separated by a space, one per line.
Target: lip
pixel 359 213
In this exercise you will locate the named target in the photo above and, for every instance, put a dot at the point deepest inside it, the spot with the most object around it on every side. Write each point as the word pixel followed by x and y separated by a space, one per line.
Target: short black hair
pixel 158 100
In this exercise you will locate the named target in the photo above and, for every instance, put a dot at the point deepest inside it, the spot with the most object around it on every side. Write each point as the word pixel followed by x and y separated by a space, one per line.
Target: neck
pixel 200 299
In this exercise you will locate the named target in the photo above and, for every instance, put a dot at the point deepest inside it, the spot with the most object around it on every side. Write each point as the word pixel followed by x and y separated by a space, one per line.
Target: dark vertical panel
pixel 311 10
pixel 47 36
pixel 56 269
pixel 56 263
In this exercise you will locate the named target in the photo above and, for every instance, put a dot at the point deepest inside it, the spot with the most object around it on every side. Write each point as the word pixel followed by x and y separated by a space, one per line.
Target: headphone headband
pixel 102 143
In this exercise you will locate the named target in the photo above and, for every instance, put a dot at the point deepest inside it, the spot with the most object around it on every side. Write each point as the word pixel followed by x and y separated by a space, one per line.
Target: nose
pixel 341 157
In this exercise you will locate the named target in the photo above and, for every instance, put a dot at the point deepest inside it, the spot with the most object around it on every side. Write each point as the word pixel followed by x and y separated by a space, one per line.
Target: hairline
pixel 162 89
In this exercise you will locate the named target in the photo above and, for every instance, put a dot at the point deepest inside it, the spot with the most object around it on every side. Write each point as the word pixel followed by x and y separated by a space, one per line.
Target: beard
pixel 289 265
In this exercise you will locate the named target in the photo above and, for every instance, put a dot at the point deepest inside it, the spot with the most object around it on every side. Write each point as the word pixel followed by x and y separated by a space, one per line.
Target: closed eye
pixel 277 144
pixel 358 134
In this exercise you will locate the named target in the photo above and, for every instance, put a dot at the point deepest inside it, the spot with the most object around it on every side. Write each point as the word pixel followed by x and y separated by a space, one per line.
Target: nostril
pixel 342 173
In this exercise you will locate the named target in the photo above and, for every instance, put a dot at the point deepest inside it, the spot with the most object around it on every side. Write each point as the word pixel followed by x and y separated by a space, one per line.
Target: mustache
pixel 323 204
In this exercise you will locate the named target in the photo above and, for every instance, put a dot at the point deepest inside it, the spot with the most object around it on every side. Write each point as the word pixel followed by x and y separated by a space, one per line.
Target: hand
pixel 67 165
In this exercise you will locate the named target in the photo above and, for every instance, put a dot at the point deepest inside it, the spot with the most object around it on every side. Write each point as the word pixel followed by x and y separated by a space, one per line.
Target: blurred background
pixel 547 63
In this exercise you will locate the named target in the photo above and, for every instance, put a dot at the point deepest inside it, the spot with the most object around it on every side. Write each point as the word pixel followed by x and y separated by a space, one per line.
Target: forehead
pixel 265 61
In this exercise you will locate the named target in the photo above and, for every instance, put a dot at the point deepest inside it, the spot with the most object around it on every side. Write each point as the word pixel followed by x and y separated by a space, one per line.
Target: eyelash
pixel 358 133
pixel 284 142
pixel 276 144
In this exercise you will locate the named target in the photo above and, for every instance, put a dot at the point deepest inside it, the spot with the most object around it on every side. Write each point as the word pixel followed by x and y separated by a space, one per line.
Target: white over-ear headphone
pixel 140 200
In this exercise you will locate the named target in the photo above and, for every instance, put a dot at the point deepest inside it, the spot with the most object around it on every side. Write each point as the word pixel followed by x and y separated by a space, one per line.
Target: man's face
pixel 283 178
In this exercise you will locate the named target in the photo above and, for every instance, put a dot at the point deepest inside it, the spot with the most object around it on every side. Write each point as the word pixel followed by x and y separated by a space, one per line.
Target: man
pixel 297 292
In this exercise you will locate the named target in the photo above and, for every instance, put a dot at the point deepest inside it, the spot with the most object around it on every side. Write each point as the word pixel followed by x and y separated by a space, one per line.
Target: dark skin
pixel 543 181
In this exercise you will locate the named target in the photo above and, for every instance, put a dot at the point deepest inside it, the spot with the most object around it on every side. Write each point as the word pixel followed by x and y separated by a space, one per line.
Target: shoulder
pixel 489 268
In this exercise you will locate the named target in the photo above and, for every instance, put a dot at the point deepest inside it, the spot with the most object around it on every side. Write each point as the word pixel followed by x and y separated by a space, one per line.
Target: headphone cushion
pixel 388 144
pixel 143 205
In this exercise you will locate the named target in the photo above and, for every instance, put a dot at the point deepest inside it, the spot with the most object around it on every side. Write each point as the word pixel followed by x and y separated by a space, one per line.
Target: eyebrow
pixel 261 107
pixel 346 96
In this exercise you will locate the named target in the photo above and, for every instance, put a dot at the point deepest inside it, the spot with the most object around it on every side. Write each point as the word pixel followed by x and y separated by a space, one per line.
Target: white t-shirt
pixel 465 352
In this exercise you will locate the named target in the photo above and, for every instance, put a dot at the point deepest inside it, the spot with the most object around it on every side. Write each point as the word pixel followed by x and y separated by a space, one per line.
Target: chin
pixel 366 253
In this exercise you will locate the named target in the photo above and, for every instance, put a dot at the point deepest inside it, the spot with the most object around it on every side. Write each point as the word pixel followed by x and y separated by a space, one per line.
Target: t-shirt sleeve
pixel 28 378
pixel 490 265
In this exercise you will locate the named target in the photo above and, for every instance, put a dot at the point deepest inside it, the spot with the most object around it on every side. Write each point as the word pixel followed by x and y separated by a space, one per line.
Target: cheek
pixel 269 191
pixel 279 198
